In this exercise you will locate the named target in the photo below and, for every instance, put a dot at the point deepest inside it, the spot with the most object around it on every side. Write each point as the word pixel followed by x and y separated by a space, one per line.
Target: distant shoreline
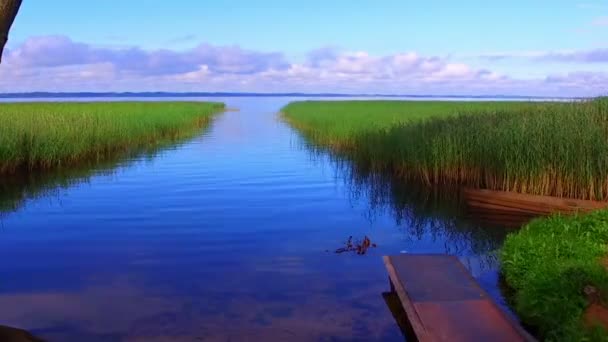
pixel 39 95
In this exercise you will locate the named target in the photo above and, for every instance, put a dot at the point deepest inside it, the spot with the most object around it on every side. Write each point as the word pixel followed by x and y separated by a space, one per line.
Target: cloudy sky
pixel 467 47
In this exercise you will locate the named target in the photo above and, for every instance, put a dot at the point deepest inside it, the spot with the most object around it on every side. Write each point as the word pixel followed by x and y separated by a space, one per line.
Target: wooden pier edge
pixel 417 324
pixel 514 323
pixel 407 304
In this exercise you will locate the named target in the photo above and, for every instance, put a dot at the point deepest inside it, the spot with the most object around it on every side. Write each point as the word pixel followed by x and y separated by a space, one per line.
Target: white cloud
pixel 599 55
pixel 57 63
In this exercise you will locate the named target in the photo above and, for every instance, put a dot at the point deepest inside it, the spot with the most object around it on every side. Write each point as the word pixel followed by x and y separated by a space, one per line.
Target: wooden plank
pixel 523 206
pixel 523 203
pixel 443 302
pixel 426 275
pixel 499 219
pixel 408 306
pixel 506 207
pixel 394 304
pixel 467 320
pixel 498 214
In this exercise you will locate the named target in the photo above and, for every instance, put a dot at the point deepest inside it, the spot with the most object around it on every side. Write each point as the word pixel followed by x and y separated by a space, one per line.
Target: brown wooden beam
pixel 8 12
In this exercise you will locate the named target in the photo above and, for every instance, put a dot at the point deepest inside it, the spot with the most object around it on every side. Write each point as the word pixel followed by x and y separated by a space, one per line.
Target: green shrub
pixel 548 263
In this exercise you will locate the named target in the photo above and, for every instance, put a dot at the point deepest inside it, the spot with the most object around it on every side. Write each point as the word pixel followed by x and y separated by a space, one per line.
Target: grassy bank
pixel 548 264
pixel 341 124
pixel 42 136
pixel 556 149
pixel 17 189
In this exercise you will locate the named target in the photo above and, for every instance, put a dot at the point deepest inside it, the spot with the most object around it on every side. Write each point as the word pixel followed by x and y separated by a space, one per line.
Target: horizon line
pixel 44 94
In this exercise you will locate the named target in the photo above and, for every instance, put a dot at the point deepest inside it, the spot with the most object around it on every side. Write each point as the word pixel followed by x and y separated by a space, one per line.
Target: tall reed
pixel 40 136
pixel 558 149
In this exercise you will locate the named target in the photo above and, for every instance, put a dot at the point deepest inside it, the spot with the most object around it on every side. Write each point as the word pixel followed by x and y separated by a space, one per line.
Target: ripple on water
pixel 225 237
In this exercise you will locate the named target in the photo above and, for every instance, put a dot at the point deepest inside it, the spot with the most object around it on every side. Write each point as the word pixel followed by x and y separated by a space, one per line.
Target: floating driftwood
pixel 360 247
pixel 511 208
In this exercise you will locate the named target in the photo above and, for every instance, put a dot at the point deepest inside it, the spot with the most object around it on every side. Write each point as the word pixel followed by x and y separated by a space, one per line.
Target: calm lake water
pixel 227 236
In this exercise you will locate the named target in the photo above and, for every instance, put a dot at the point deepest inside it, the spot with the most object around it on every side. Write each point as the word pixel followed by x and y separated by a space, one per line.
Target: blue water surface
pixel 227 236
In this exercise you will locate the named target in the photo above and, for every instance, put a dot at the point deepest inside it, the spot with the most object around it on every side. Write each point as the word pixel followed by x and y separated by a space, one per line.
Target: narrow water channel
pixel 228 236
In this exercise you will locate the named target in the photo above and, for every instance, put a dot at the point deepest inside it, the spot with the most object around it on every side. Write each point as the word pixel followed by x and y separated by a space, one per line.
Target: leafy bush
pixel 548 263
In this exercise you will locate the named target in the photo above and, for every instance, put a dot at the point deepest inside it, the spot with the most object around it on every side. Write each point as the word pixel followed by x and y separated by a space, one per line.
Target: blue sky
pixel 523 41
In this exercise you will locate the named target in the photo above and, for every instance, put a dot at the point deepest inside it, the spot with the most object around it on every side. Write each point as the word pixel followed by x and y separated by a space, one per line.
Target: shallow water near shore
pixel 227 236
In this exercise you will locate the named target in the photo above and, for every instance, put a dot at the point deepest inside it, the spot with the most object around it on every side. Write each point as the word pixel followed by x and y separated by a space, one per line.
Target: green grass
pixel 43 136
pixel 556 149
pixel 341 123
pixel 548 264
pixel 17 189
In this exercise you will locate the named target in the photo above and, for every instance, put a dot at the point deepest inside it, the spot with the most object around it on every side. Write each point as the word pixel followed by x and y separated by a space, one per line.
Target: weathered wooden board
pixel 443 302
pixel 515 209
pixel 524 203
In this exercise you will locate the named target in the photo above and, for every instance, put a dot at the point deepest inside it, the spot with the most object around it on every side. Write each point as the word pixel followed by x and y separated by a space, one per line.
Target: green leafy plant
pixel 548 264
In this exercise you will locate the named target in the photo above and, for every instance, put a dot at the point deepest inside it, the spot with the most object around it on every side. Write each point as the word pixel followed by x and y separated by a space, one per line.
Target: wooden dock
pixel 443 302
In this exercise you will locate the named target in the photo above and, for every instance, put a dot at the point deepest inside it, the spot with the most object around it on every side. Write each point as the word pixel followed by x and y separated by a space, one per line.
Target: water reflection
pixel 18 189
pixel 430 219
pixel 421 212
pixel 393 303
pixel 222 238
pixel 125 309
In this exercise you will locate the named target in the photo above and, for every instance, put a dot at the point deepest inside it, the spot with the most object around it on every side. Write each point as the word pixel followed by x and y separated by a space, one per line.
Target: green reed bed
pixel 553 265
pixel 41 136
pixel 557 149
pixel 341 123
